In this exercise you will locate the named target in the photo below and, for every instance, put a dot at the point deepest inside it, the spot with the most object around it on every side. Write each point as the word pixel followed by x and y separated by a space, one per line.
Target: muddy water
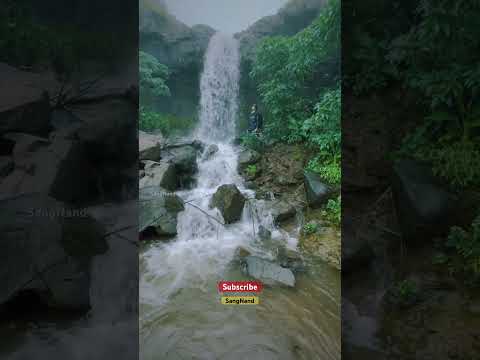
pixel 300 323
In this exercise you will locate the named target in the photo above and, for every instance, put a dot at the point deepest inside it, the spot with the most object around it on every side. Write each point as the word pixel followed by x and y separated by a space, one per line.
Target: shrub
pixel 166 123
pixel 466 252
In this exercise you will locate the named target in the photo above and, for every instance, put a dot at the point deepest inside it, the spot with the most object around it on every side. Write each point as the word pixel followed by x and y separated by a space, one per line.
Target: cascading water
pixel 180 313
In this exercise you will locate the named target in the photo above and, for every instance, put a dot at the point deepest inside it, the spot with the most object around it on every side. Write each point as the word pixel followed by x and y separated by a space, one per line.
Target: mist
pixel 228 16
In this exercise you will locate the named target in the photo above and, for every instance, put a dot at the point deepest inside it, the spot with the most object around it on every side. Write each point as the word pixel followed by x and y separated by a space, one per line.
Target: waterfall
pixel 219 87
pixel 203 247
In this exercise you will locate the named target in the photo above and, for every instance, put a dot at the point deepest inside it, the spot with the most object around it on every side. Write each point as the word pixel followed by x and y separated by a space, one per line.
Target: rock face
pixel 25 105
pixel 268 272
pixel 59 168
pixel 247 157
pixel 47 248
pixel 182 50
pixel 424 206
pixel 317 191
pixel 230 201
pixel 292 18
pixel 281 211
pixel 290 259
pixel 159 210
pixel 161 175
pixel 210 151
pixel 170 166
pixel 150 146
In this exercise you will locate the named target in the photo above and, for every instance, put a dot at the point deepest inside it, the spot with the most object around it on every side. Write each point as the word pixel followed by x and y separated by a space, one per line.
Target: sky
pixel 229 16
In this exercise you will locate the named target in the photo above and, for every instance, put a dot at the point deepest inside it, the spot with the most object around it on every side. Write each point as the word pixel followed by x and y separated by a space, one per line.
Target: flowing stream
pixel 180 312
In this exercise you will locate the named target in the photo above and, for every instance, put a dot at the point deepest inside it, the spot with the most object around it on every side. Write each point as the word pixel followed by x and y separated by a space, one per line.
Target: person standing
pixel 255 123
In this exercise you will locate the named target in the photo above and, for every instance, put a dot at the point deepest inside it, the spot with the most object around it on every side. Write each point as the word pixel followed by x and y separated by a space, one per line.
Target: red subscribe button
pixel 240 286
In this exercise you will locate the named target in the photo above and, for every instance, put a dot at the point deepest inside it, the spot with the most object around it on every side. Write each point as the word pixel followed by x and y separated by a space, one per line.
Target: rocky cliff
pixel 179 47
pixel 295 16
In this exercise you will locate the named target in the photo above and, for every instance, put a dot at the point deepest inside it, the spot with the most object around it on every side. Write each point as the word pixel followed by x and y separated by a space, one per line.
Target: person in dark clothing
pixel 255 123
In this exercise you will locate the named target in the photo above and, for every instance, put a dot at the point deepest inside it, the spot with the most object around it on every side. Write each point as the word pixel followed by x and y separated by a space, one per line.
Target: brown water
pixel 300 323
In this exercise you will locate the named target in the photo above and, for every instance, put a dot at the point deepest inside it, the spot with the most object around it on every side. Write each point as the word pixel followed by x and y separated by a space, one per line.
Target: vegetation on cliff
pixel 298 79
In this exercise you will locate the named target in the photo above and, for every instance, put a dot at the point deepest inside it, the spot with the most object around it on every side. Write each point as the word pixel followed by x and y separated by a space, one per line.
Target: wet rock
pixel 210 151
pixel 25 105
pixel 241 253
pixel 264 233
pixel 230 201
pixel 60 169
pixel 247 157
pixel 290 259
pixel 25 147
pixel 281 211
pixel 184 158
pixel 161 175
pixel 47 248
pixel 159 210
pixel 63 119
pixel 356 250
pixel 424 206
pixel 6 166
pixel 268 272
pixel 150 146
pixel 317 191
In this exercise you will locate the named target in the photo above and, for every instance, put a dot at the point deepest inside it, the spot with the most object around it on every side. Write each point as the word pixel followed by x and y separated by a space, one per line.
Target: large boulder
pixel 181 49
pixel 59 168
pixel 159 210
pixel 6 166
pixel 281 210
pixel 424 206
pixel 247 157
pixel 150 146
pixel 230 201
pixel 268 272
pixel 317 191
pixel 211 150
pixel 25 105
pixel 161 175
pixel 47 248
pixel 184 157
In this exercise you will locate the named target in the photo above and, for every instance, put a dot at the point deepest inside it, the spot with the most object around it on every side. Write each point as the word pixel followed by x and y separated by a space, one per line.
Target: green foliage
pixel 298 80
pixel 374 72
pixel 153 76
pixel 404 293
pixel 435 59
pixel 310 228
pixel 466 252
pixel 26 42
pixel 167 124
pixel 291 72
pixel 251 171
pixel 253 142
pixel 333 211
pixel 322 132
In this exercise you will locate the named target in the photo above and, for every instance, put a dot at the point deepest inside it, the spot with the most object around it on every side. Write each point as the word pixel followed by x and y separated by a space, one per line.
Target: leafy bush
pixel 405 293
pixel 253 142
pixel 333 211
pixel 24 41
pixel 322 132
pixel 436 60
pixel 251 171
pixel 153 76
pixel 167 124
pixel 310 228
pixel 466 248
pixel 291 73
